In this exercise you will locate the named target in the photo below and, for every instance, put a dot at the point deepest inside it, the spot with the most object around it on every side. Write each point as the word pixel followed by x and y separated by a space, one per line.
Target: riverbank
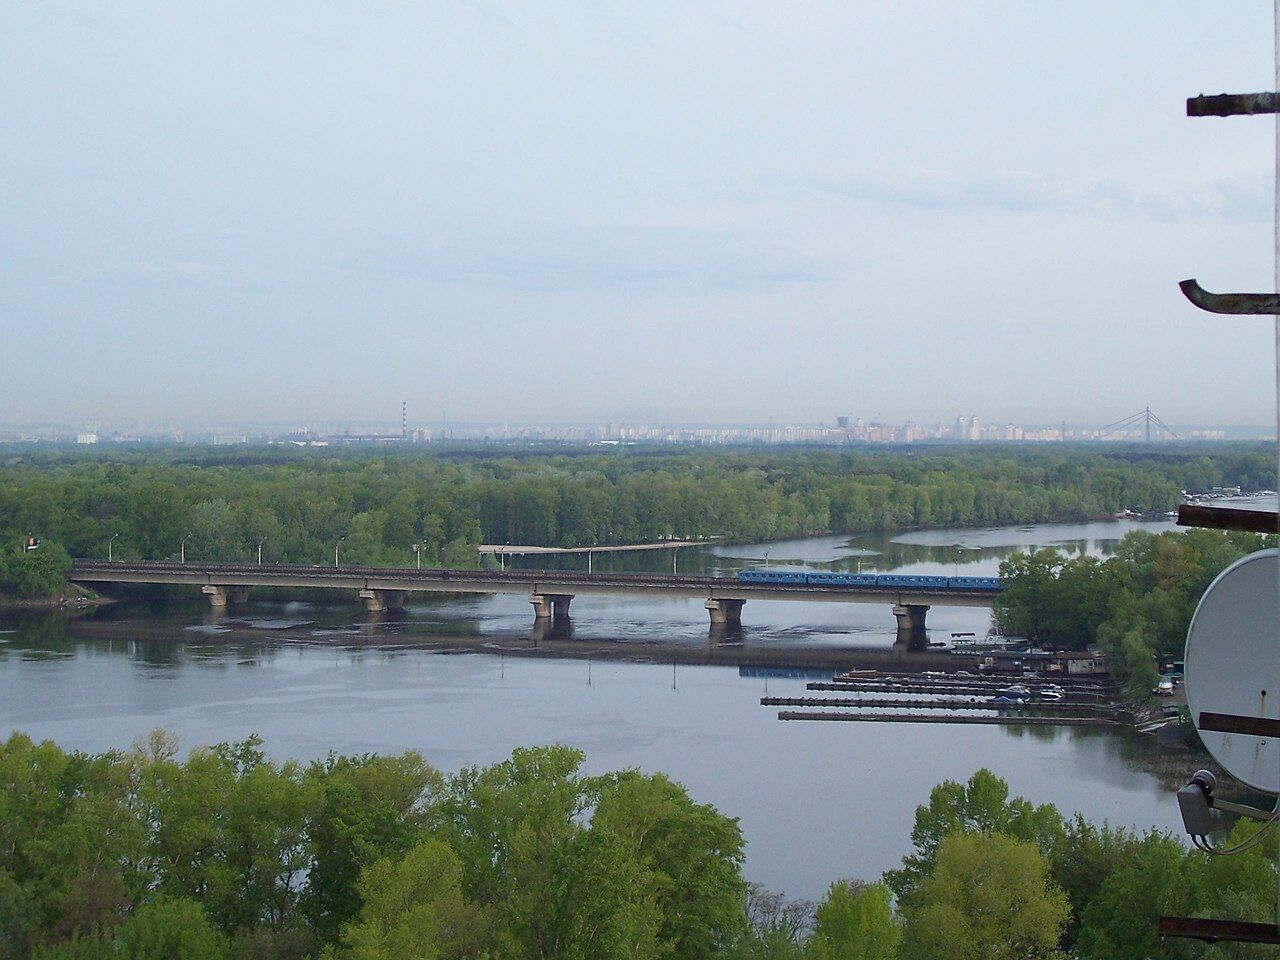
pixel 83 600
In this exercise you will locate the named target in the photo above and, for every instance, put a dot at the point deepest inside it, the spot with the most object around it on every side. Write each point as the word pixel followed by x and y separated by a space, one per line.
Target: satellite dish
pixel 1232 665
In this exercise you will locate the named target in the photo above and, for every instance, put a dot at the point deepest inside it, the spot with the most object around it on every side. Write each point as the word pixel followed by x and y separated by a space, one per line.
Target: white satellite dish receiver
pixel 1232 665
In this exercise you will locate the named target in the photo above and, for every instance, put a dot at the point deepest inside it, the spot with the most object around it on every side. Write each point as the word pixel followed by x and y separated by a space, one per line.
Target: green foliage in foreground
pixel 988 897
pixel 1136 604
pixel 227 855
pixel 1004 878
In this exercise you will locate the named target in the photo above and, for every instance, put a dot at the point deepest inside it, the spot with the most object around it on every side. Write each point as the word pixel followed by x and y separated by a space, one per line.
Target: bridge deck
pixel 548 582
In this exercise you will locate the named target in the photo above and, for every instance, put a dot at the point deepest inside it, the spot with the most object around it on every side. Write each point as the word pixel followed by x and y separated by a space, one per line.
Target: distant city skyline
pixel 836 430
pixel 699 212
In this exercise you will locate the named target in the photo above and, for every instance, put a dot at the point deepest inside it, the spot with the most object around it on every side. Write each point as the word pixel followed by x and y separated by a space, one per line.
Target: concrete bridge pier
pixel 376 601
pixel 550 606
pixel 725 613
pixel 549 629
pixel 911 630
pixel 220 597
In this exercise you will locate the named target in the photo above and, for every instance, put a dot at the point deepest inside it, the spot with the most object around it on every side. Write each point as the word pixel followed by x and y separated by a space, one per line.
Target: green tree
pixel 1119 917
pixel 692 852
pixel 989 897
pixel 644 872
pixel 161 930
pixel 1129 646
pixel 855 922
pixel 41 572
pixel 366 541
pixel 982 805
pixel 1082 857
pixel 1027 606
pixel 365 809
pixel 230 826
pixel 1241 887
pixel 415 908
pixel 776 926
pixel 170 930
pixel 602 906
pixel 20 919
pixel 214 535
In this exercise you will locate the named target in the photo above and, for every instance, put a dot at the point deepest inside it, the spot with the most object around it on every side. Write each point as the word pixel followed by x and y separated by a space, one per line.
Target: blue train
pixel 869 580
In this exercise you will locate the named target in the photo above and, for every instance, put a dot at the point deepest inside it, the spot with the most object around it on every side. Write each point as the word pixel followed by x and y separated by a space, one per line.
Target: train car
pixel 771 576
pixel 911 580
pixel 841 579
pixel 973 583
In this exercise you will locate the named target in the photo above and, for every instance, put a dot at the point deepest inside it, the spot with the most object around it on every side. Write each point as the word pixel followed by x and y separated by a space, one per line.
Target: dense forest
pixel 1136 604
pixel 227 855
pixel 298 503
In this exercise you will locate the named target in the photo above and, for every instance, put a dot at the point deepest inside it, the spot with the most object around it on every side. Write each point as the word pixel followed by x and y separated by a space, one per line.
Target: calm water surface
pixel 817 801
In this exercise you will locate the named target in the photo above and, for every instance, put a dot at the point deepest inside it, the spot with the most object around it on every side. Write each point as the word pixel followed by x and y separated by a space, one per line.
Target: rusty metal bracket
pixel 1227 518
pixel 1230 723
pixel 1233 104
pixel 1216 931
pixel 1239 303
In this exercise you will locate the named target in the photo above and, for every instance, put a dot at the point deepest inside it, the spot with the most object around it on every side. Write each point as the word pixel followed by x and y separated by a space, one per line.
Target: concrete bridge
pixel 549 591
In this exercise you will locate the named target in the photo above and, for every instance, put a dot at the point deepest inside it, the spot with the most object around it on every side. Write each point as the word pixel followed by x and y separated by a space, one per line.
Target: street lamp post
pixel 260 543
pixel 182 549
pixel 417 555
pixel 110 544
pixel 335 550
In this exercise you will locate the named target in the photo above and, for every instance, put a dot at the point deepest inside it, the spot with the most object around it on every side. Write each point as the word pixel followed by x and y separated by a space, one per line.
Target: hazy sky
pixel 648 211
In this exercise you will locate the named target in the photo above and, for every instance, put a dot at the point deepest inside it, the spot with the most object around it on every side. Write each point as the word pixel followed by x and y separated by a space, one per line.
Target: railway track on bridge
pixel 431 578
pixel 550 591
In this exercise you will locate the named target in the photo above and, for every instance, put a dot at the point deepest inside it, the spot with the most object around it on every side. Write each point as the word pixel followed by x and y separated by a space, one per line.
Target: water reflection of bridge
pixel 549 591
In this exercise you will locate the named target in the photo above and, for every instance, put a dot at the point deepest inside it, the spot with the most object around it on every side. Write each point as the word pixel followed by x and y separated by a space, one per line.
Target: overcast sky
pixel 649 211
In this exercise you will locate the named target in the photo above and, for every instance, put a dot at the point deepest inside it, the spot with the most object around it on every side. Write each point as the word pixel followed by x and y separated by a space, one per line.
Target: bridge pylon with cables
pixel 1144 418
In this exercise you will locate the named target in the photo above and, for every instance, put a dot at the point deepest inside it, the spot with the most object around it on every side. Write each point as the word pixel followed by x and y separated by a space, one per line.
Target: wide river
pixel 817 801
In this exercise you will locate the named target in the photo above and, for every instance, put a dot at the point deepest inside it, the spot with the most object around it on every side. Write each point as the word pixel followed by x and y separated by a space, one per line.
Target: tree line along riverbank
pixel 297 505
pixel 1134 605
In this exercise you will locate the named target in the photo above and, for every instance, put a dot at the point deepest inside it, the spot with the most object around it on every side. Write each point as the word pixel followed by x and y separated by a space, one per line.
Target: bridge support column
pixel 222 596
pixel 376 601
pixel 550 606
pixel 725 613
pixel 911 630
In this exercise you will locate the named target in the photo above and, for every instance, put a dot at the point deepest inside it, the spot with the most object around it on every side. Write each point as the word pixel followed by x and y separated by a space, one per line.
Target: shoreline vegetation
pixel 440 504
pixel 221 506
pixel 1134 605
pixel 228 854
